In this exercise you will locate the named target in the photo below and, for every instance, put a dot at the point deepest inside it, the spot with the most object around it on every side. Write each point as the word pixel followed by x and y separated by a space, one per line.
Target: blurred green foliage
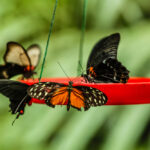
pixel 103 128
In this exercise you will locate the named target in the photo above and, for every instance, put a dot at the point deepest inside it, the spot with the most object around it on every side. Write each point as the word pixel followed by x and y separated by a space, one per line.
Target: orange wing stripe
pixel 60 96
pixel 77 99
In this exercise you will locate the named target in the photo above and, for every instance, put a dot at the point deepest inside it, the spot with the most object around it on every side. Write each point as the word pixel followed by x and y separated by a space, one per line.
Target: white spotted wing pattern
pixel 92 96
pixel 42 90
pixel 48 91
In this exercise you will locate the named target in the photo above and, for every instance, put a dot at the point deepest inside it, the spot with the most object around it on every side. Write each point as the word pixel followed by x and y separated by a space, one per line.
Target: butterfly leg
pixel 86 78
pixel 49 104
pixel 21 78
pixel 32 76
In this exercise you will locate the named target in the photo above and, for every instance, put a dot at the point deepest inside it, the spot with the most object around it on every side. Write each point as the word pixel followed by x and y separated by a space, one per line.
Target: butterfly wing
pixel 6 70
pixel 16 92
pixel 90 96
pixel 105 48
pixel 16 54
pixel 44 90
pixel 111 71
pixel 34 53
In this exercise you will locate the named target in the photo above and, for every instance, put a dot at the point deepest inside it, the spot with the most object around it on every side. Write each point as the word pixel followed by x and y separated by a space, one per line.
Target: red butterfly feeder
pixel 136 91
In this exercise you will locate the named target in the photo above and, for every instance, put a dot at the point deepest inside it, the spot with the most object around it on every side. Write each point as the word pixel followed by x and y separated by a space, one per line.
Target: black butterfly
pixel 59 94
pixel 102 65
pixel 17 94
pixel 19 61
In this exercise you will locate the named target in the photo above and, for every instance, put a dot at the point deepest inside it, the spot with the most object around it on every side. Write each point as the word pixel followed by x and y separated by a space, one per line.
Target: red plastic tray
pixel 136 91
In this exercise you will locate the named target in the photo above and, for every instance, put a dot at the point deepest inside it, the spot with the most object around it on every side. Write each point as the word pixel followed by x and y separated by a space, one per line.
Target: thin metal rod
pixel 48 40
pixel 79 70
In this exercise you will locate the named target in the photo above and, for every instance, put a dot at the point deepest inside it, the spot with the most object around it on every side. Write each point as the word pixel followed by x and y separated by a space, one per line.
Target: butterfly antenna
pixel 20 104
pixel 82 70
pixel 15 119
pixel 63 71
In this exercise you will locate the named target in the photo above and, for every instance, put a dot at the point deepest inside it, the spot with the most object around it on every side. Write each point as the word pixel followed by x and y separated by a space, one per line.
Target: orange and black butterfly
pixel 19 61
pixel 60 94
pixel 102 65
pixel 20 94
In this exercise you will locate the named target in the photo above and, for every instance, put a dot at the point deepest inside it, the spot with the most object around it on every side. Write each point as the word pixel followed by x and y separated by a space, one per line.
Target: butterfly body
pixel 9 70
pixel 103 65
pixel 70 89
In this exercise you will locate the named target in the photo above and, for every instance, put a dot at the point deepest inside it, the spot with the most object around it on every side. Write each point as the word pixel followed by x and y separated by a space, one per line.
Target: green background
pixel 101 128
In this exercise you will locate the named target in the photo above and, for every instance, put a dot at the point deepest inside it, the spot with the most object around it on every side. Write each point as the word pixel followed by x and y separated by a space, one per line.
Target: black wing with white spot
pixel 43 90
pixel 111 71
pixel 92 96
